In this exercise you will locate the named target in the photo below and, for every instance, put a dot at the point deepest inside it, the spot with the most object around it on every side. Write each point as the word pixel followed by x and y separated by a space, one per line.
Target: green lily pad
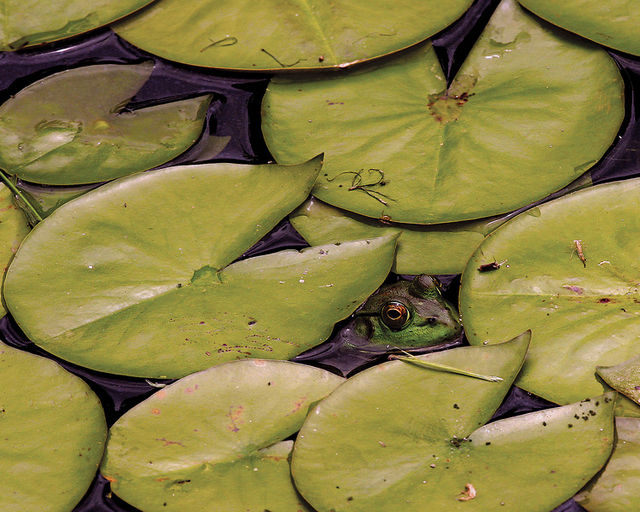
pixel 613 23
pixel 617 488
pixel 215 440
pixel 435 249
pixel 571 280
pixel 13 228
pixel 53 432
pixel 70 128
pixel 624 377
pixel 27 23
pixel 402 434
pixel 136 278
pixel 276 35
pixel 508 131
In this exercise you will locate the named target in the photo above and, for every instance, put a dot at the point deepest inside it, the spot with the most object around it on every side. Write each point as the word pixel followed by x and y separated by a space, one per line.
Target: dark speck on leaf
pixel 607 400
pixel 456 406
pixel 604 300
pixel 544 423
pixel 179 285
pixel 570 425
pixel 350 498
pixel 252 322
pixel 488 443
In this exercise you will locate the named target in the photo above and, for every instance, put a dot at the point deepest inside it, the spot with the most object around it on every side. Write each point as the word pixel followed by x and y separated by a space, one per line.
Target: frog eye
pixel 395 315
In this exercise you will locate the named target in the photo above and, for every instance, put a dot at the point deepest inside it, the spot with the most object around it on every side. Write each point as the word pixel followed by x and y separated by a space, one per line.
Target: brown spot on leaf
pixel 235 418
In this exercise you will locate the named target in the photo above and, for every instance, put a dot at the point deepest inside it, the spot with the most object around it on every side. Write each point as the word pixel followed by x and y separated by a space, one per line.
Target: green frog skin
pixel 407 315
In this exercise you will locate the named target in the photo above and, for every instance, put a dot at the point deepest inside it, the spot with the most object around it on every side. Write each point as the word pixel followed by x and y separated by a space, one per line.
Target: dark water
pixel 235 113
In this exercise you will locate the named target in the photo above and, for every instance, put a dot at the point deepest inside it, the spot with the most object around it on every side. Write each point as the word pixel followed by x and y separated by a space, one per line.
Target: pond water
pixel 235 114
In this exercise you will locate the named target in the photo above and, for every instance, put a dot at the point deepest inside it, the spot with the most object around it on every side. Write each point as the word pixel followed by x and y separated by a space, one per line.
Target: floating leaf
pixel 624 377
pixel 53 432
pixel 276 35
pixel 70 128
pixel 214 440
pixel 436 249
pixel 27 23
pixel 401 434
pixel 617 488
pixel 573 281
pixel 613 23
pixel 135 277
pixel 13 228
pixel 506 132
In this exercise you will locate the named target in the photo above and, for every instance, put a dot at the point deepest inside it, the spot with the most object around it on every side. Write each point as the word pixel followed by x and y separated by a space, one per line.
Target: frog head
pixel 406 315
pixel 411 316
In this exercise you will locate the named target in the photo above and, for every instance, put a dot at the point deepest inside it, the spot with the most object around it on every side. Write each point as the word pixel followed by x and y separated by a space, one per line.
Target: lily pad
pixel 136 278
pixel 53 432
pixel 31 22
pixel 72 128
pixel 215 440
pixel 617 488
pixel 613 23
pixel 624 378
pixel 435 249
pixel 13 228
pixel 402 434
pixel 573 281
pixel 505 133
pixel 276 35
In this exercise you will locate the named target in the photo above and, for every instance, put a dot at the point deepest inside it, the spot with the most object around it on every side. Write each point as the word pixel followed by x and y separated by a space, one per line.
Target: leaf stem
pixel 18 192
pixel 445 368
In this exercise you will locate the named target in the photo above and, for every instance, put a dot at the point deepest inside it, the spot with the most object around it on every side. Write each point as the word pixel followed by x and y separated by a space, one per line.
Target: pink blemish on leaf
pixel 155 411
pixel 169 443
pixel 161 394
pixel 298 404
pixel 188 390
pixel 235 417
pixel 575 289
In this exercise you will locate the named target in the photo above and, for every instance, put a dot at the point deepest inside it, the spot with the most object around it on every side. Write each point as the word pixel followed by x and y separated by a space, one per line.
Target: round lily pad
pixel 435 249
pixel 72 127
pixel 215 440
pixel 27 23
pixel 613 23
pixel 136 278
pixel 13 228
pixel 402 434
pixel 402 146
pixel 617 488
pixel 53 432
pixel 276 35
pixel 570 274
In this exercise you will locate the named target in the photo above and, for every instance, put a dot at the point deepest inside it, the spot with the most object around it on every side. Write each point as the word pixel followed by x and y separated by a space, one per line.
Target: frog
pixel 406 316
